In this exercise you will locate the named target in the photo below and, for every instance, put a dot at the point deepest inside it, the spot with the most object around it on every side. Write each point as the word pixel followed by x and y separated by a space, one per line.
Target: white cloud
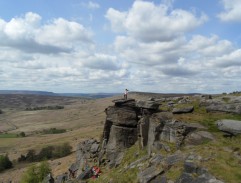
pixel 93 5
pixel 148 22
pixel 101 62
pixel 29 34
pixel 62 32
pixel 231 11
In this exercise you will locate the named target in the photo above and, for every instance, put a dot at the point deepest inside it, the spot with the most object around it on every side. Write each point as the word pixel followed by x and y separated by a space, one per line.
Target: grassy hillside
pixel 83 119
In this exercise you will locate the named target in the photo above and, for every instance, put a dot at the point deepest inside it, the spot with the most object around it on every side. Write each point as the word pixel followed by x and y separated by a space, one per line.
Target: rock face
pixel 88 149
pixel 232 127
pixel 128 122
pixel 120 131
pixel 148 104
pixel 229 104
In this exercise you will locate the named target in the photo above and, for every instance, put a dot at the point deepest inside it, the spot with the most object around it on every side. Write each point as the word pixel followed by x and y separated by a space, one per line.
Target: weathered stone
pixel 199 137
pixel 114 157
pixel 183 110
pixel 157 159
pixel 135 163
pixel 185 178
pixel 232 127
pixel 120 139
pixel 161 128
pixel 94 148
pixel 230 108
pixel 159 179
pixel 149 174
pixel 143 128
pixel 173 159
pixel 124 102
pixel 148 104
pixel 62 178
pixel 121 116
pixel 194 174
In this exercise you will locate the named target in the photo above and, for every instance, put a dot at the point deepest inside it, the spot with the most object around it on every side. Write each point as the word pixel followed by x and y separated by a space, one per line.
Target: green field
pixel 8 135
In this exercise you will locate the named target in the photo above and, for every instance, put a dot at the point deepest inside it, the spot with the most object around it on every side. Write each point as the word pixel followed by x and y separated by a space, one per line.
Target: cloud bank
pixel 154 49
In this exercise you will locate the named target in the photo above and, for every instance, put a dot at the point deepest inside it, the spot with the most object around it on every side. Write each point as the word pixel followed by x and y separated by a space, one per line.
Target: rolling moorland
pixel 81 118
pixel 85 118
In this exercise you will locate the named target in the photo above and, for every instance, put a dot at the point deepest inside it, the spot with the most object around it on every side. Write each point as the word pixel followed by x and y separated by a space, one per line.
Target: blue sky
pixel 107 46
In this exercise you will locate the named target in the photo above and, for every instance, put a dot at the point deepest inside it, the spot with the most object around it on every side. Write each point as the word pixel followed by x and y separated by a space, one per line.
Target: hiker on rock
pixel 125 94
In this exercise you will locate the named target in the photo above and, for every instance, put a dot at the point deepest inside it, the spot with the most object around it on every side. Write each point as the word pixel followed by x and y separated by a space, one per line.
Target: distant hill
pixel 27 92
pixel 46 93
pixel 89 95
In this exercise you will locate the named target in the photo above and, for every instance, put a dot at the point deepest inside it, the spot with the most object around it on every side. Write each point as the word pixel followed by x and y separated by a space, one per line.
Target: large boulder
pixel 121 116
pixel 232 127
pixel 124 102
pixel 198 138
pixel 229 108
pixel 188 109
pixel 150 175
pixel 163 128
pixel 148 104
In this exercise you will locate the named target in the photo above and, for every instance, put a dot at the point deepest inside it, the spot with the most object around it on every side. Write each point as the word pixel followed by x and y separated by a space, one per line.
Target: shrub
pixel 36 173
pixel 5 163
pixel 63 150
pixel 31 155
pixel 48 152
pixel 22 134
pixel 53 131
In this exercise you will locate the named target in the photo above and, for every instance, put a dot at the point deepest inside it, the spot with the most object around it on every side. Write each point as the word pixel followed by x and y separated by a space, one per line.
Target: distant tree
pixel 5 163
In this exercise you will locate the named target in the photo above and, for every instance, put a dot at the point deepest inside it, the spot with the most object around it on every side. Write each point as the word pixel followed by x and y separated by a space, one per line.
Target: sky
pixel 81 46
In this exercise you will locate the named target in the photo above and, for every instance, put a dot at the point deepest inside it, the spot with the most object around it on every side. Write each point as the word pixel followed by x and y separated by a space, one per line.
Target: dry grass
pixel 82 120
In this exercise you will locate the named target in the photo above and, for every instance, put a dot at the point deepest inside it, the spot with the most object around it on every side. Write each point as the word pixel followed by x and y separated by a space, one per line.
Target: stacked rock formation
pixel 129 121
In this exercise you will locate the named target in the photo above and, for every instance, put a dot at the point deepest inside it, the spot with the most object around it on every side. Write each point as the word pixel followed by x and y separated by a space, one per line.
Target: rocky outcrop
pixel 120 130
pixel 230 104
pixel 129 121
pixel 120 139
pixel 163 128
pixel 232 127
pixel 229 108
pixel 86 150
pixel 148 104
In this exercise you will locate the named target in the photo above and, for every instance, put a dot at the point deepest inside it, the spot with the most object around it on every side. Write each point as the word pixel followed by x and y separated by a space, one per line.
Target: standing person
pixel 125 94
